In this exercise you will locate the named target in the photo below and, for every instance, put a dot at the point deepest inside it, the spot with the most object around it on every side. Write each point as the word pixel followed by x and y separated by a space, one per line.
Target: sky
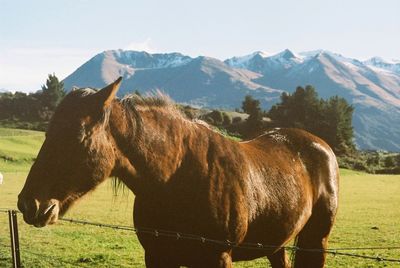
pixel 42 36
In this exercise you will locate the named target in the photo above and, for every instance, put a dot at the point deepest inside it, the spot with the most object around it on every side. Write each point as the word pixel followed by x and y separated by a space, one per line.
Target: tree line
pixel 34 110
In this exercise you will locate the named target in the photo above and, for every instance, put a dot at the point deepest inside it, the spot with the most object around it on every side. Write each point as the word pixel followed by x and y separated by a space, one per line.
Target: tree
pixel 329 119
pixel 215 117
pixel 251 106
pixel 32 110
pixel 337 127
pixel 52 93
pixel 302 109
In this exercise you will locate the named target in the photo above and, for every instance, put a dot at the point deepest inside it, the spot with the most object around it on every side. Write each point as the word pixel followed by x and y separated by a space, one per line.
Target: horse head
pixel 76 156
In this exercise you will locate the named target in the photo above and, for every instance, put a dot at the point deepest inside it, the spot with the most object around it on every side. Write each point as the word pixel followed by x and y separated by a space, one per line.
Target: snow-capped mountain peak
pixel 286 54
pixel 286 58
pixel 384 65
pixel 243 61
pixel 259 61
pixel 144 60
pixel 262 54
pixel 377 60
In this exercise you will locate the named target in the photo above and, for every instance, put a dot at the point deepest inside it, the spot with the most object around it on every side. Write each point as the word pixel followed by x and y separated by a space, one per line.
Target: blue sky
pixel 43 36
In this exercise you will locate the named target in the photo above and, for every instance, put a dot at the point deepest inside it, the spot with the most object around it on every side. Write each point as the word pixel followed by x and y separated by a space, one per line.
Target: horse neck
pixel 161 146
pixel 151 138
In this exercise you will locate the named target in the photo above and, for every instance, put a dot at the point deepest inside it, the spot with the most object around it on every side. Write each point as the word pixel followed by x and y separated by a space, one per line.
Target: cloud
pixel 146 45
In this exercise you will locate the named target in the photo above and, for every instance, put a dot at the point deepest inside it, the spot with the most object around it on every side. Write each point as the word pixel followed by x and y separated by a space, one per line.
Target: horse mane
pixel 82 92
pixel 155 100
pixel 152 99
pixel 132 104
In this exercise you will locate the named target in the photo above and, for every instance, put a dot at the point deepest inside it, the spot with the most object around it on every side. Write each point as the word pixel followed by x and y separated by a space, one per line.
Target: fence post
pixel 12 219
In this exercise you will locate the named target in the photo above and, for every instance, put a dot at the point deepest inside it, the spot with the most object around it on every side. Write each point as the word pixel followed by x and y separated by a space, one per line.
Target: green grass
pixel 18 148
pixel 368 217
pixel 71 245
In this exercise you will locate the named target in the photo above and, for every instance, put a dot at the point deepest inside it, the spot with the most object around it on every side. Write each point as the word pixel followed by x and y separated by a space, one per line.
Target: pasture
pixel 18 148
pixel 368 216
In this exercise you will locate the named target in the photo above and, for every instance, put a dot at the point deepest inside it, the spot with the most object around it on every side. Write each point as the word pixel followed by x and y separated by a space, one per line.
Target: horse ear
pixel 107 94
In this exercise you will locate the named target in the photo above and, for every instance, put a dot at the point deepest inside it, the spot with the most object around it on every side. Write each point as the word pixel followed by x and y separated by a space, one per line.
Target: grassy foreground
pixel 368 216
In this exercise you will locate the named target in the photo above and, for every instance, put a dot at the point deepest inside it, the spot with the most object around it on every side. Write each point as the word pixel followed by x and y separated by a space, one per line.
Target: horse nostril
pixel 28 206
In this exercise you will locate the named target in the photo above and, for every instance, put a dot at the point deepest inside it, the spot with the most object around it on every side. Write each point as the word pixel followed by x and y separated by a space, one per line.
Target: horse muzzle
pixel 39 213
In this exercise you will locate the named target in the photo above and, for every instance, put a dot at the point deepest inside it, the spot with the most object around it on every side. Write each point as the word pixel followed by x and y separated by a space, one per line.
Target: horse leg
pixel 279 259
pixel 221 260
pixel 314 236
pixel 225 260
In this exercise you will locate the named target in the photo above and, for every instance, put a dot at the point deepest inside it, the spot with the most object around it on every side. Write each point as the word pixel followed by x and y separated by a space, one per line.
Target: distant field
pixel 18 148
pixel 368 217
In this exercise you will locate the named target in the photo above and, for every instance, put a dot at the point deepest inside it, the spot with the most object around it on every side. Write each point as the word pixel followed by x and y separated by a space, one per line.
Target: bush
pixel 227 120
pixel 237 120
pixel 390 161
pixel 218 118
pixel 395 170
pixel 371 162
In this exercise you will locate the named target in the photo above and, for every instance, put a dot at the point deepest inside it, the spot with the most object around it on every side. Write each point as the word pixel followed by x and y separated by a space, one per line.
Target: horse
pixel 187 178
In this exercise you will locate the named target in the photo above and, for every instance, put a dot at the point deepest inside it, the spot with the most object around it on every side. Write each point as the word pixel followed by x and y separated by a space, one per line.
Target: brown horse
pixel 187 178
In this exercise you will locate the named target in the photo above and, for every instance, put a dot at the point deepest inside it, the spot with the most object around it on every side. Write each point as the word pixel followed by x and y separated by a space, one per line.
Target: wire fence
pixel 340 251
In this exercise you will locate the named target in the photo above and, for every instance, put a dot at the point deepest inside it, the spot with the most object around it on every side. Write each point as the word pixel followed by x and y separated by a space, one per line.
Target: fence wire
pixel 340 251
pixel 250 246
pixel 5 210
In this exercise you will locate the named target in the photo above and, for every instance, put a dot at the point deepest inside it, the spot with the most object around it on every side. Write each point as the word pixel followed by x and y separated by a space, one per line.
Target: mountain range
pixel 371 86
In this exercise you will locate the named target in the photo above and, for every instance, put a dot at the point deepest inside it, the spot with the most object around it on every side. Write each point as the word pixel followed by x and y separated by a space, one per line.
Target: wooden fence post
pixel 12 219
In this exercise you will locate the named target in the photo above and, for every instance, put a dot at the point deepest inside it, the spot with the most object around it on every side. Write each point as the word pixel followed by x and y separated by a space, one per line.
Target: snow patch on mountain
pixel 144 60
pixel 285 56
pixel 380 64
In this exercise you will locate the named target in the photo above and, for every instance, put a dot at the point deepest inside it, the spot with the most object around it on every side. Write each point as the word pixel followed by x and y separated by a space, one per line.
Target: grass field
pixel 18 148
pixel 369 216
